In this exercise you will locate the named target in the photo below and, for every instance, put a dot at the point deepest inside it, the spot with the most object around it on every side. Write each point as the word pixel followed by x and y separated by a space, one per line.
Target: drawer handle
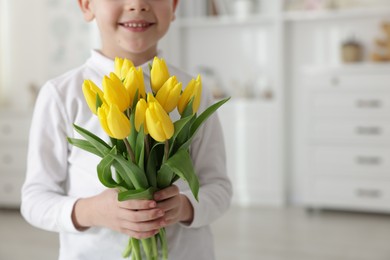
pixel 373 103
pixel 368 130
pixel 368 193
pixel 368 160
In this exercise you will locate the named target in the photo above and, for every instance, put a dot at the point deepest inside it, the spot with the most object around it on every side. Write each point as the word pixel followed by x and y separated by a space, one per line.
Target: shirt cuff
pixel 64 221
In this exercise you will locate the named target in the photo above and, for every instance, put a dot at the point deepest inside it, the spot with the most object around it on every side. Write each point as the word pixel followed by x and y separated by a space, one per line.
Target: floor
pixel 245 233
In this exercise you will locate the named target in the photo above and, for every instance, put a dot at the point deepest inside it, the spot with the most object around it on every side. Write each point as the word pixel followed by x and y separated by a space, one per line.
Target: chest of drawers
pixel 346 149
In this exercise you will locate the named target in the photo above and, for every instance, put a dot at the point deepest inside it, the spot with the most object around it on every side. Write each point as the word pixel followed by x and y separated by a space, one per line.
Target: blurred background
pixel 307 129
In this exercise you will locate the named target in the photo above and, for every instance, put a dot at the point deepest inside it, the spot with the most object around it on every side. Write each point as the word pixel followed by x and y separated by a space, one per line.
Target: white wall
pixel 46 38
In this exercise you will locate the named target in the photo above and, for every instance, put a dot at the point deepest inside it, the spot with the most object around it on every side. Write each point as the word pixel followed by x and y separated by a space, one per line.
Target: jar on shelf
pixel 351 51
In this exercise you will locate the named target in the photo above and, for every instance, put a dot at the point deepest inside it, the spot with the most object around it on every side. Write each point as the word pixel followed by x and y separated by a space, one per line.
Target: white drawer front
pixel 16 129
pixel 348 130
pixel 373 163
pixel 342 193
pixel 10 191
pixel 12 159
pixel 357 104
pixel 351 80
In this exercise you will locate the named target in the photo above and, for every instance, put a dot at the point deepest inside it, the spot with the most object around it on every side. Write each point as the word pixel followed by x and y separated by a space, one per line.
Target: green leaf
pixel 124 176
pixel 164 177
pixel 132 171
pixel 137 194
pixel 85 145
pixel 206 114
pixel 155 154
pixel 181 164
pixel 99 102
pixel 188 109
pixel 199 121
pixel 181 130
pixel 98 143
pixel 104 171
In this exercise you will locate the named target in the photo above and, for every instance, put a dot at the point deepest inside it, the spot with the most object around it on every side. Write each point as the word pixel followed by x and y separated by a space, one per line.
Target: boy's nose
pixel 137 5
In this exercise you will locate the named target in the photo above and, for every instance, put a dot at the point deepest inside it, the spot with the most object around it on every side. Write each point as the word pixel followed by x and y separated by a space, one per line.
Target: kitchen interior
pixel 307 129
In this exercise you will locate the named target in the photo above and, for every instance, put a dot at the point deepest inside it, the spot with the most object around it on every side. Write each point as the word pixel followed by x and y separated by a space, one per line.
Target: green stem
pixel 164 243
pixel 147 247
pixel 154 247
pixel 147 147
pixel 166 150
pixel 129 150
pixel 127 251
pixel 136 249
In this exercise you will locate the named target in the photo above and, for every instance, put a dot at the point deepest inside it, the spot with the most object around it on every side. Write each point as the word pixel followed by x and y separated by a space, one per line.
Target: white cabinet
pixel 347 137
pixel 14 128
pixel 252 141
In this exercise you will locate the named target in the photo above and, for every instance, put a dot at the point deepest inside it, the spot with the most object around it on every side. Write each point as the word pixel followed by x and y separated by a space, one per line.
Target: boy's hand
pixel 176 206
pixel 135 218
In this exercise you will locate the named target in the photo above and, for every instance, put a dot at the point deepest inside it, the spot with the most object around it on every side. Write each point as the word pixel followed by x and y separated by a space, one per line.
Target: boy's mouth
pixel 140 25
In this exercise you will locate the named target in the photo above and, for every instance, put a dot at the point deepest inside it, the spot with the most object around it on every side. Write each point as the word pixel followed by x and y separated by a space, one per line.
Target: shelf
pixel 218 21
pixel 352 13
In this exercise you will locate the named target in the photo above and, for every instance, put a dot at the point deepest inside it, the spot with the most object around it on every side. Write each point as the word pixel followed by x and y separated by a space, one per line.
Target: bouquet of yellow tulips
pixel 148 150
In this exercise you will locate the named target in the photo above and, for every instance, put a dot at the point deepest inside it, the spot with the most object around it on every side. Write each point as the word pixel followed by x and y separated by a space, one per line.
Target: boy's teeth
pixel 135 25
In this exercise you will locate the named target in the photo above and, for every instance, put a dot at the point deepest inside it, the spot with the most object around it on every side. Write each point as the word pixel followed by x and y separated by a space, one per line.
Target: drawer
pixel 358 78
pixel 359 162
pixel 354 104
pixel 15 129
pixel 372 131
pixel 10 191
pixel 12 159
pixel 350 194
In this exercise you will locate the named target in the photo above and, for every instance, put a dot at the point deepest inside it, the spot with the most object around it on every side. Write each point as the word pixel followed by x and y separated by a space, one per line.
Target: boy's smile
pixel 130 28
pixel 136 26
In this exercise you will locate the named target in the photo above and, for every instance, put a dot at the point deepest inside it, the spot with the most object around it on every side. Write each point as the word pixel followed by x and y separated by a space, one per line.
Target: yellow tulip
pixel 113 121
pixel 140 111
pixel 90 91
pixel 135 81
pixel 169 94
pixel 158 74
pixel 115 92
pixel 122 66
pixel 160 126
pixel 193 90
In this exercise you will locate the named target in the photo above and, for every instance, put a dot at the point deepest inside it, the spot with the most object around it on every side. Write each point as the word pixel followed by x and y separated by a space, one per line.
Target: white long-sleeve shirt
pixel 58 173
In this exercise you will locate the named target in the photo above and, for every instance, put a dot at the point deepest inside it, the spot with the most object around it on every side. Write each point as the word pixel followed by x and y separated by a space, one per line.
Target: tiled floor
pixel 255 233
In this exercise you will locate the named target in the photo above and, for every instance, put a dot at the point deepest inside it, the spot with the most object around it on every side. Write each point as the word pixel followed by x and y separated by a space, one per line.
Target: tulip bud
pixel 193 90
pixel 158 74
pixel 122 66
pixel 90 90
pixel 169 94
pixel 160 126
pixel 135 81
pixel 140 111
pixel 115 92
pixel 113 121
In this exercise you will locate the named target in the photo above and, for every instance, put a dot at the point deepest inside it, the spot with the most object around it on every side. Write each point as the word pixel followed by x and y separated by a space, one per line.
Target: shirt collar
pixel 105 65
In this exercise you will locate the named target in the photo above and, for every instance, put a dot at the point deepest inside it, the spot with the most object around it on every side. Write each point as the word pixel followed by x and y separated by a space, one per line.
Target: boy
pixel 62 192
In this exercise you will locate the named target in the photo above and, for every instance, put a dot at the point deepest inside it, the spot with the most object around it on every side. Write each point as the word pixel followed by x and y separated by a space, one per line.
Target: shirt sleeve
pixel 209 158
pixel 44 200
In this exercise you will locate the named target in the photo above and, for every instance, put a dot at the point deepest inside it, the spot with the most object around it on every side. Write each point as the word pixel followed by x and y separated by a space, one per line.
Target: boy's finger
pixel 166 193
pixel 137 204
